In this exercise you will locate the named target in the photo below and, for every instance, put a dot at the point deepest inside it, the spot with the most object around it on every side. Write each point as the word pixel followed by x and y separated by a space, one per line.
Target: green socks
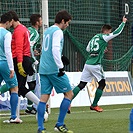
pixel 3 89
pixel 29 105
pixel 98 95
pixel 76 90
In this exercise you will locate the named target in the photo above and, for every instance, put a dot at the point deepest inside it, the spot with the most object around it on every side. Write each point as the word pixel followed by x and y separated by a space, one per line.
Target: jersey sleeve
pixel 88 47
pixel 34 38
pixel 7 48
pixel 114 33
pixel 56 48
pixel 32 42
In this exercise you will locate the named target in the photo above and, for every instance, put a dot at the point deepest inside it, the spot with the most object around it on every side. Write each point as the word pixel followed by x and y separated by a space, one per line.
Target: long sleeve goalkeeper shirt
pixel 20 43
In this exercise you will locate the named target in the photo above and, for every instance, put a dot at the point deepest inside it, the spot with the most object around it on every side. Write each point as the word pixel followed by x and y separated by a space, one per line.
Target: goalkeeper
pixel 93 68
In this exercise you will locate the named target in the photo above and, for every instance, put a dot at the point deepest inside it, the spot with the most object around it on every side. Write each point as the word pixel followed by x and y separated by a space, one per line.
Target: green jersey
pixel 98 43
pixel 34 40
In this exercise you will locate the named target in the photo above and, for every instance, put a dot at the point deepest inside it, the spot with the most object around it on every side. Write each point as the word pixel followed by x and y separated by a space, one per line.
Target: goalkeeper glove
pixel 65 60
pixel 61 72
pixel 21 69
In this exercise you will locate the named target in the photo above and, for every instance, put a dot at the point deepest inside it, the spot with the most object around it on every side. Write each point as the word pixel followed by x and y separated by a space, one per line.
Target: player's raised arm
pixel 115 33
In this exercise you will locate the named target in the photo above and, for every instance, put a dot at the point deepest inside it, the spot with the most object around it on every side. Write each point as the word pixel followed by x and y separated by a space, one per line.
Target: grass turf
pixel 114 119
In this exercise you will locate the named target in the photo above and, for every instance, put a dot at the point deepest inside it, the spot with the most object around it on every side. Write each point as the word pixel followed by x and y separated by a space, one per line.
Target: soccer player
pixel 36 22
pixel 51 70
pixel 93 68
pixel 6 64
pixel 22 58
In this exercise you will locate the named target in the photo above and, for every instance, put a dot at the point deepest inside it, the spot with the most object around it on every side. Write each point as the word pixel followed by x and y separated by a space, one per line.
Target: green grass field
pixel 114 119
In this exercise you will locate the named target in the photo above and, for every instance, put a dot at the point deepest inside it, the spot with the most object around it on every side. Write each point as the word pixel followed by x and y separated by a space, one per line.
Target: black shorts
pixel 27 65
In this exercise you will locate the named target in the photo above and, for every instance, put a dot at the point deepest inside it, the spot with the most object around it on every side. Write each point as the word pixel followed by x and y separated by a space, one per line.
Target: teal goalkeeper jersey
pixel 98 43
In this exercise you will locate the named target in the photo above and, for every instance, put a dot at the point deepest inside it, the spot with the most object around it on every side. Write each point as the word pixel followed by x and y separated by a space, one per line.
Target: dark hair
pixel 63 14
pixel 34 18
pixel 106 27
pixel 6 17
pixel 14 15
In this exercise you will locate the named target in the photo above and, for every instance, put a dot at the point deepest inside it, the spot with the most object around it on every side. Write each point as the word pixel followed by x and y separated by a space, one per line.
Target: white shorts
pixel 91 72
pixel 32 77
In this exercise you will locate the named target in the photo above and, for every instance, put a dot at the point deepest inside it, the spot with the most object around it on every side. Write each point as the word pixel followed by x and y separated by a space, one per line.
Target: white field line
pixel 92 111
pixel 6 115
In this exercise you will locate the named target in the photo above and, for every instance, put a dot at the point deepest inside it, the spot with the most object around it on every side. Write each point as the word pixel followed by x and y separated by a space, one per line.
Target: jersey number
pixel 94 45
pixel 46 42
